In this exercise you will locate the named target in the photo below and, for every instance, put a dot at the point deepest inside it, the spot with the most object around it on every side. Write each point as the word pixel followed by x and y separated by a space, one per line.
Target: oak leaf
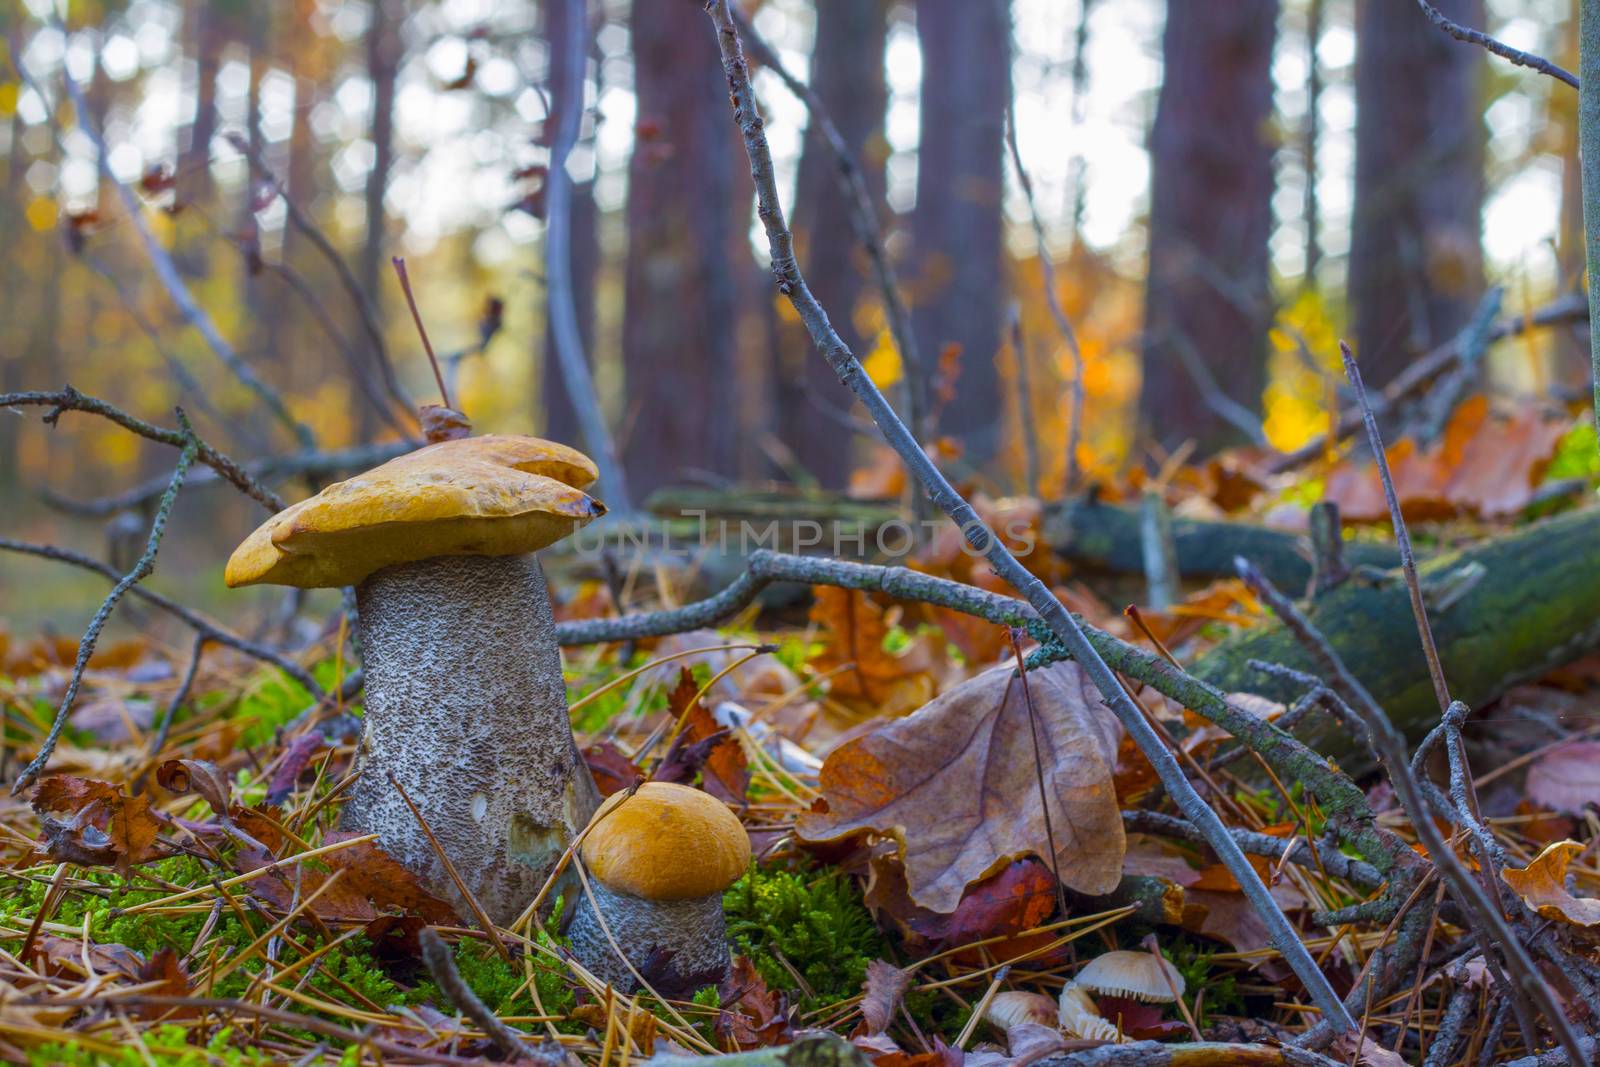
pixel 954 784
pixel 1542 886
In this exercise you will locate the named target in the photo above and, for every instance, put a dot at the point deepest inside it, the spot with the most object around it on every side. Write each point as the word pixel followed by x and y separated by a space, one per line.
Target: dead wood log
pixel 1091 533
pixel 1504 611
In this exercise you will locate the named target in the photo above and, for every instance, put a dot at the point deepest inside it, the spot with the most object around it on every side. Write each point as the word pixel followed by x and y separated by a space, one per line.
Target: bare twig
pixel 359 296
pixel 159 740
pixel 1025 422
pixel 422 331
pixel 69 399
pixel 1419 373
pixel 309 464
pixel 869 230
pixel 1047 267
pixel 1159 551
pixel 167 272
pixel 1485 913
pixel 1499 48
pixel 559 300
pixel 1408 561
pixel 202 626
pixel 1038 766
pixel 442 965
pixel 1060 624
pixel 141 569
pixel 1224 406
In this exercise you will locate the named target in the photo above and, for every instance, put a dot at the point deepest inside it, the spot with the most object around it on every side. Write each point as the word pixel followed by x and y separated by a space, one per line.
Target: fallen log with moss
pixel 1505 610
pixel 1089 532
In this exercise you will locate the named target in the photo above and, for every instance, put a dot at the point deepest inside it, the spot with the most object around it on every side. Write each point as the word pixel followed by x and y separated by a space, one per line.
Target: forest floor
pixel 178 890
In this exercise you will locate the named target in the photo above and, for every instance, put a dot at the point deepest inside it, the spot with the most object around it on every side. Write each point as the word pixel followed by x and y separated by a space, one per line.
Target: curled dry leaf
pixel 370 883
pixel 954 785
pixel 613 772
pixel 199 777
pixel 1567 778
pixel 704 747
pixel 881 994
pixel 1542 886
pixel 855 629
pixel 1030 1042
pixel 95 824
pixel 752 1015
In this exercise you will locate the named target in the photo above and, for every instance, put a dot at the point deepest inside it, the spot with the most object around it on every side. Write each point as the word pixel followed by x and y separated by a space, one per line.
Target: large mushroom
pixel 658 860
pixel 465 704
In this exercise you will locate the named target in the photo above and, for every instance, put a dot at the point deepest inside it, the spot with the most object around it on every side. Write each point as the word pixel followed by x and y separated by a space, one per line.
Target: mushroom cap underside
pixel 1139 975
pixel 497 495
pixel 666 842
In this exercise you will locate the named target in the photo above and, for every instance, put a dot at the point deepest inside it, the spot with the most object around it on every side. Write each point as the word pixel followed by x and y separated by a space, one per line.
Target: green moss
pixel 815 920
pixel 1193 961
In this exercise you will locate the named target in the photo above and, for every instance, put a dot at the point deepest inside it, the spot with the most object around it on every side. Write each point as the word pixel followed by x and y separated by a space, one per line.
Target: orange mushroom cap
pixel 666 842
pixel 497 495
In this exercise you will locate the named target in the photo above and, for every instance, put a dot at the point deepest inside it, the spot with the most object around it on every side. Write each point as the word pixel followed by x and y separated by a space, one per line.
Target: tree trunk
pixel 383 64
pixel 847 74
pixel 1207 295
pixel 957 225
pixel 560 420
pixel 1416 262
pixel 194 160
pixel 680 306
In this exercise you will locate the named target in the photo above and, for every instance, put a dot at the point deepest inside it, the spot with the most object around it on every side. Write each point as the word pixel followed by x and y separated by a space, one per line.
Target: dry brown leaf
pixel 1542 886
pixel 881 994
pixel 752 1015
pixel 1366 1051
pixel 94 823
pixel 854 631
pixel 1566 778
pixel 1484 465
pixel 954 784
pixel 199 776
pixel 370 882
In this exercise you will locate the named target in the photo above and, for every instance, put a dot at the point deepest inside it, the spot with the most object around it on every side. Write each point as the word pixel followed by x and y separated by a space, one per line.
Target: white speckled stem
pixel 693 931
pixel 467 709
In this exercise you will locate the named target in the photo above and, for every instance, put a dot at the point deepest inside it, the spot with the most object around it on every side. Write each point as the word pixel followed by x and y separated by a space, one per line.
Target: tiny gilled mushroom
pixel 465 704
pixel 1014 1007
pixel 658 861
pixel 1079 1016
pixel 1137 975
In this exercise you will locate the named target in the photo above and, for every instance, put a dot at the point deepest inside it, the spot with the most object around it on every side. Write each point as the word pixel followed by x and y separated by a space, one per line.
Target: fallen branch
pixel 442 965
pixel 202 626
pixel 69 399
pixel 141 569
pixel 1486 917
pixel 1052 614
pixel 1421 371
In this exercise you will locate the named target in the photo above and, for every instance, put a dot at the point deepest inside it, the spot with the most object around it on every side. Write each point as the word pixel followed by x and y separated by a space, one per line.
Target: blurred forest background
pixel 1224 188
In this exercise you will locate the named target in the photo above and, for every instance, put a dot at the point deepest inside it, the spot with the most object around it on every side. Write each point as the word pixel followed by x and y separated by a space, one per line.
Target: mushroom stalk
pixel 466 707
pixel 671 939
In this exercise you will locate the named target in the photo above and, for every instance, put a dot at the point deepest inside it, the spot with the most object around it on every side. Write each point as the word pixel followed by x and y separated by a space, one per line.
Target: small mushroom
pixel 1079 1016
pixel 1136 975
pixel 658 861
pixel 1014 1007
pixel 465 704
pixel 1142 976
